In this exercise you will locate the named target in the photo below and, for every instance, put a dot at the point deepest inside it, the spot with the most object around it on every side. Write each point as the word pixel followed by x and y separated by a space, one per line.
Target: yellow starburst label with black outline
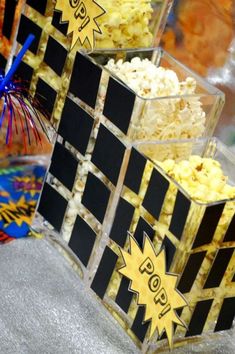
pixel 155 288
pixel 18 212
pixel 81 17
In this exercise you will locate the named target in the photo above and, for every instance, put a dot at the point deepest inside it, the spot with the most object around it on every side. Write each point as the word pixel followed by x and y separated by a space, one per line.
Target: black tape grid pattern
pixel 62 27
pixel 104 272
pixel 190 272
pixel 226 315
pixel 64 166
pixel 119 114
pixel 46 95
pixel 135 171
pixel 85 80
pixel 25 73
pixel 108 154
pixel 208 225
pixel 25 28
pixel 82 240
pixel 39 6
pixel 52 206
pixel 219 267
pixel 9 14
pixel 199 318
pixel 96 197
pixel 55 56
pixel 122 222
pixel 155 194
pixel 75 126
pixel 179 215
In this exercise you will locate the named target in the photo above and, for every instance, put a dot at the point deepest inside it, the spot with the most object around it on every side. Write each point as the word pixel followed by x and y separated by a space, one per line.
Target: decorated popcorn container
pixel 158 249
pixel 51 21
pixel 9 20
pixel 101 114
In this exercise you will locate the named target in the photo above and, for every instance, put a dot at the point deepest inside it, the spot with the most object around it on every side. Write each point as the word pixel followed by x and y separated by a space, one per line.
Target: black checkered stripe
pixel 207 267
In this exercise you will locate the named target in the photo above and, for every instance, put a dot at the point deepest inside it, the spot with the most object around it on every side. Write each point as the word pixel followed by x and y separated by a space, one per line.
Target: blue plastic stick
pixel 16 63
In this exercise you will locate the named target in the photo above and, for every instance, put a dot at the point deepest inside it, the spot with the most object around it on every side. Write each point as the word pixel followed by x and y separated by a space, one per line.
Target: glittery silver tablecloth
pixel 44 309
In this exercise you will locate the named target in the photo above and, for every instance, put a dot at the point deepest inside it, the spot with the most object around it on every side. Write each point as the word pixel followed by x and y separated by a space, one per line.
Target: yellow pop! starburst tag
pixel 155 288
pixel 81 17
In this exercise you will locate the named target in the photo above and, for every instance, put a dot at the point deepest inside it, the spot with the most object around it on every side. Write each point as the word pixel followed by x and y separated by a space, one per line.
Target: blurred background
pixel 201 34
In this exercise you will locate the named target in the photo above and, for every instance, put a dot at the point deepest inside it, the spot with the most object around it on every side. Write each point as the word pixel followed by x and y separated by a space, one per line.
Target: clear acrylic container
pixel 50 78
pixel 164 116
pixel 198 238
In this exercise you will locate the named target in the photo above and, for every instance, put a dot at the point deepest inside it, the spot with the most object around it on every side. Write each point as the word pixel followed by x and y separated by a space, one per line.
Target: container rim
pixel 205 141
pixel 212 90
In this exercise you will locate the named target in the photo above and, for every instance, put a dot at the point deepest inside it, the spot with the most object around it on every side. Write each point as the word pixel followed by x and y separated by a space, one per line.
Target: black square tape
pixel 108 154
pixel 208 225
pixel 219 268
pixel 75 126
pixel 3 62
pixel 170 250
pixel 28 27
pixel 85 80
pixel 25 73
pixel 9 13
pixel 104 272
pixel 141 228
pixel 138 327
pixel 63 166
pixel 227 315
pixel 124 296
pixel 180 214
pixel 122 222
pixel 52 206
pixel 38 5
pixel 82 240
pixel 96 197
pixel 191 271
pixel 62 27
pixel 55 56
pixel 199 318
pixel 230 234
pixel 46 95
pixel 119 105
pixel 155 195
pixel 135 171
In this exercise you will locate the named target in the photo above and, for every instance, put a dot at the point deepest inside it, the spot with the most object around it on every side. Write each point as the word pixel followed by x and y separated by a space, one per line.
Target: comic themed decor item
pixel 22 133
pixel 81 18
pixel 21 181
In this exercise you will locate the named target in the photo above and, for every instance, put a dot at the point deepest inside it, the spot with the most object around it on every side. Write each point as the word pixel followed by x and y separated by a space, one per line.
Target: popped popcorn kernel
pixel 202 178
pixel 175 113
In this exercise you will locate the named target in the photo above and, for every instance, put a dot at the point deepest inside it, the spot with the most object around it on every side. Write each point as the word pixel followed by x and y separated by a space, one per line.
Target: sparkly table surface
pixel 45 310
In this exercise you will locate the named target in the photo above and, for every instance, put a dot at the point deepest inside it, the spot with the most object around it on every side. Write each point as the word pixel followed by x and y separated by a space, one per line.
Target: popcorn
pixel 174 117
pixel 125 24
pixel 202 178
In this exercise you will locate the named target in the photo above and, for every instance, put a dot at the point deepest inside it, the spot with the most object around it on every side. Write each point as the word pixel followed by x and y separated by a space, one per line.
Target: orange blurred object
pixel 203 32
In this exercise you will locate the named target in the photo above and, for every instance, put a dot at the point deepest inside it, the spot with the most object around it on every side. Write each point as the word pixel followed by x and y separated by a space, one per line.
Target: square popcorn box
pixel 195 230
pixel 9 20
pixel 50 78
pixel 101 115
